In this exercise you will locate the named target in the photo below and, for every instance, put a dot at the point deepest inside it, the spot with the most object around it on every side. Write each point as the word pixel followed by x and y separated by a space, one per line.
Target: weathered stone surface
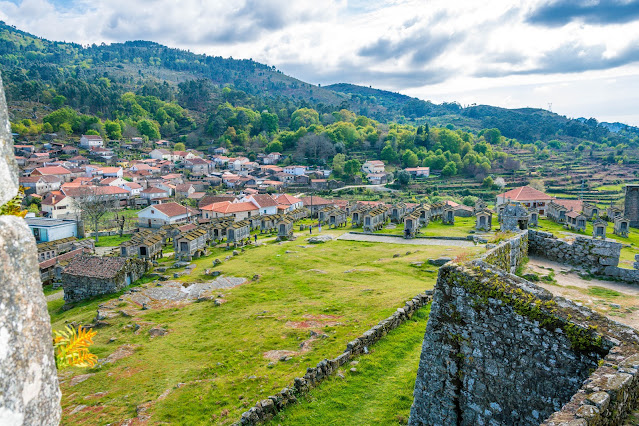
pixel 320 239
pixel 439 261
pixel 8 165
pixel 29 393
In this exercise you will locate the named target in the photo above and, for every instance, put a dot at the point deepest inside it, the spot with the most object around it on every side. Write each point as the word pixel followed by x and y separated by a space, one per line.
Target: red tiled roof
pixel 524 193
pixel 575 205
pixel 173 209
pixel 264 200
pixel 317 201
pixel 52 170
pixel 153 190
pixel 228 207
pixel 287 199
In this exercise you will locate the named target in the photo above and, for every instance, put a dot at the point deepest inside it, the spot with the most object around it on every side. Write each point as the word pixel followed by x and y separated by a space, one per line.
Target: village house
pixel 264 202
pixel 162 154
pixel 56 205
pixel 239 210
pixel 158 215
pixel 529 197
pixel 295 170
pixel 198 166
pixel 220 151
pixel 418 172
pixel 45 230
pixel 377 178
pixel 184 190
pixel 152 192
pixel 40 185
pixel 287 203
pixel 61 172
pixel 90 141
pixel 373 166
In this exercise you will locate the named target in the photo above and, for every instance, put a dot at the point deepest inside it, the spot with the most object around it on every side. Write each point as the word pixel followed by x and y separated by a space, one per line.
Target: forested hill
pixel 93 79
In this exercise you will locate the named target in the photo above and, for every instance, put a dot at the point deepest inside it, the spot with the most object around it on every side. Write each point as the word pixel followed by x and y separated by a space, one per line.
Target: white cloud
pixel 436 48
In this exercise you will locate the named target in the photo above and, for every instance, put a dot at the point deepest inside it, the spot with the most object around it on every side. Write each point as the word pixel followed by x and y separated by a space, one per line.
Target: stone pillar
pixel 29 392
pixel 631 205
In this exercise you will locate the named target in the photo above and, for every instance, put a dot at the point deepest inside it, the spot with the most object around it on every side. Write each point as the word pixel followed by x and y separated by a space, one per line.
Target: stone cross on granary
pixel 29 391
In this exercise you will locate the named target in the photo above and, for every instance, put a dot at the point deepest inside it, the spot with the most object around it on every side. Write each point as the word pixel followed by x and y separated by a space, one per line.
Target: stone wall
pixel 80 287
pixel 266 409
pixel 597 256
pixel 509 254
pixel 501 350
pixel 29 392
pixel 631 204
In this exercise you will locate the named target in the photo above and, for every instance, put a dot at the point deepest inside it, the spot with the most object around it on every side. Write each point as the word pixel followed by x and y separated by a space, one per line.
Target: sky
pixel 577 58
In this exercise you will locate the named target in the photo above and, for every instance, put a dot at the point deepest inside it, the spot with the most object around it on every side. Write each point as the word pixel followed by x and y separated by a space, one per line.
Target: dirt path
pixel 618 300
pixel 55 296
pixel 400 240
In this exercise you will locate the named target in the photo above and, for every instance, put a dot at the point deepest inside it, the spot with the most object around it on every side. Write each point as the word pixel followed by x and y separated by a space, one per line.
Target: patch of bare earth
pixel 569 284
pixel 120 353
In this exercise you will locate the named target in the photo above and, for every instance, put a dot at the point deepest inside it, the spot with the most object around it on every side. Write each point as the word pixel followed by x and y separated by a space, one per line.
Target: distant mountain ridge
pixel 31 65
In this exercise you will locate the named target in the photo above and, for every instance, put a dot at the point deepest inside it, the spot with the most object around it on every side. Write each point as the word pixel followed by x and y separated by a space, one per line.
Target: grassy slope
pixel 380 392
pixel 215 351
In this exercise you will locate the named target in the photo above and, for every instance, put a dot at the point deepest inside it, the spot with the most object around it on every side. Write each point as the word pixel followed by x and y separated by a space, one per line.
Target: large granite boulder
pixel 29 392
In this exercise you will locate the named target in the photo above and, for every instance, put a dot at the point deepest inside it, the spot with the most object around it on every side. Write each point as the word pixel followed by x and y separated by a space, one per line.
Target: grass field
pixel 211 366
pixel 380 392
pixel 111 240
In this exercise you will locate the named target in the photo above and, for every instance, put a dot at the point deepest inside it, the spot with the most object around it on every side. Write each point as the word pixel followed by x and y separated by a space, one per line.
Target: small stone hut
pixel 622 226
pixel 448 215
pixel 90 276
pixel 599 228
pixel 513 217
pixel 483 220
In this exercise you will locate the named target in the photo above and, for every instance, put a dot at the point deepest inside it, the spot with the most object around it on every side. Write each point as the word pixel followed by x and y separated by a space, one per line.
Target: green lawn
pixel 462 228
pixel 380 392
pixel 211 366
pixel 111 241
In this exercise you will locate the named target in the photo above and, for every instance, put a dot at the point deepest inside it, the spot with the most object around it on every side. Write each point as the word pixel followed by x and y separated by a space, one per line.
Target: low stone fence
pixel 266 409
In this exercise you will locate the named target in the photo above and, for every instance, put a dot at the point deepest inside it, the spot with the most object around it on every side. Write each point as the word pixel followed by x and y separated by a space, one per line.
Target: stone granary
pixel 90 276
pixel 622 226
pixel 575 221
pixel 144 244
pixel 614 212
pixel 268 222
pixel 238 232
pixel 217 227
pixel 423 212
pixel 285 228
pixel 336 218
pixel 599 228
pixel 357 216
pixel 322 215
pixel 513 217
pixel 534 217
pixel 397 212
pixel 299 214
pixel 483 220
pixel 436 210
pixel 590 210
pixel 191 244
pixel 411 225
pixel 631 204
pixel 479 205
pixel 375 219
pixel 448 215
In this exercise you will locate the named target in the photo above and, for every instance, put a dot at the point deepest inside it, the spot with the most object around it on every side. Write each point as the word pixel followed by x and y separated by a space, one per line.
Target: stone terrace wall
pixel 266 409
pixel 500 350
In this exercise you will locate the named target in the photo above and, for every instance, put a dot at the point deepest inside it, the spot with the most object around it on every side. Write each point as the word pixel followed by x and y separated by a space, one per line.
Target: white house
pixel 45 230
pixel 158 215
pixel 264 202
pixel 162 154
pixel 239 211
pixel 288 202
pixel 153 192
pixel 373 166
pixel 418 171
pixel 133 187
pixel 56 205
pixel 42 184
pixel 295 170
pixel 90 141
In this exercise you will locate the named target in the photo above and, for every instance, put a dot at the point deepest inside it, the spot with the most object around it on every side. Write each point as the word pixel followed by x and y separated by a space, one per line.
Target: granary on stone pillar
pixel 599 228
pixel 483 220
pixel 614 212
pixel 423 211
pixel 534 217
pixel 336 218
pixel 397 212
pixel 374 219
pixel 479 205
pixel 513 217
pixel 191 244
pixel 285 228
pixel 622 226
pixel 590 210
pixel 411 225
pixel 448 215
pixel 237 232
pixel 575 221
pixel 357 216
